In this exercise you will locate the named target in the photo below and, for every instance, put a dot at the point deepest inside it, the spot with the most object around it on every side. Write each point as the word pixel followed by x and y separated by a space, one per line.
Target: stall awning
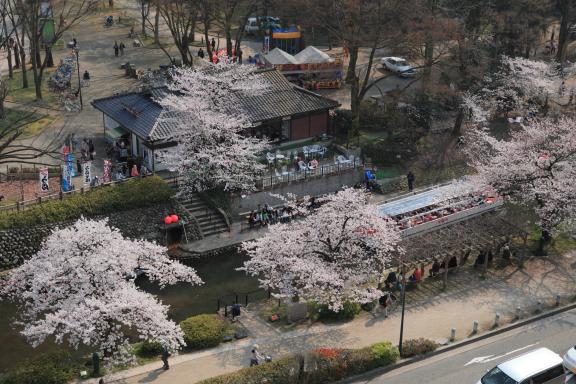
pixel 116 133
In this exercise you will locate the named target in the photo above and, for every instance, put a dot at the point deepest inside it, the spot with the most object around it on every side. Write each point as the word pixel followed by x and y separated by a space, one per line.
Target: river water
pixel 221 280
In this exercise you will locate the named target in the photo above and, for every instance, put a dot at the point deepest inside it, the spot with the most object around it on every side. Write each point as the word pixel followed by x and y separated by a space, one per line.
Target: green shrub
pixel 52 368
pixel 148 349
pixel 385 352
pixel 203 331
pixel 348 312
pixel 281 371
pixel 131 194
pixel 419 346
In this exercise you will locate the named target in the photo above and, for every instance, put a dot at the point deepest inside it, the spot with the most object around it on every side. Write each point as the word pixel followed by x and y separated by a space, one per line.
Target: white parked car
pixel 540 366
pixel 570 365
pixel 398 65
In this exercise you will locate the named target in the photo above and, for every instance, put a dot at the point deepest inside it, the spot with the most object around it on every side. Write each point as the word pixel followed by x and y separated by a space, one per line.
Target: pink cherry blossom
pixel 80 289
pixel 336 253
pixel 211 128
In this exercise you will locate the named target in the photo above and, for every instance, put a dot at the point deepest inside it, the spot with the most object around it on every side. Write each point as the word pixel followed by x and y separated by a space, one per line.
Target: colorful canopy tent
pixel 312 55
pixel 279 57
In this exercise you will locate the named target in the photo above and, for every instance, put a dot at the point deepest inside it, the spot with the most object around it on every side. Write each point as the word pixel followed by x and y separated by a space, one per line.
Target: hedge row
pixel 52 368
pixel 131 194
pixel 203 331
pixel 322 365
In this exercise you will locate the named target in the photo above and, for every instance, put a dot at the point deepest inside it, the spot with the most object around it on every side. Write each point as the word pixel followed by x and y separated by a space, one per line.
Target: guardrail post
pixel 246 300
pixel 39 199
pixel 218 301
pixel 475 327
pixel 518 312
pixel 539 306
pixel 558 298
pixel 18 206
pixel 453 334
pixel 497 319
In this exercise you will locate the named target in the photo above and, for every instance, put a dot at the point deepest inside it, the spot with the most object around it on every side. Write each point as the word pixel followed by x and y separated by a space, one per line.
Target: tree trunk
pixel 156 25
pixel 9 57
pixel 2 112
pixel 351 73
pixel 229 42
pixel 16 56
pixel 207 39
pixel 143 14
pixel 49 59
pixel 24 70
pixel 428 60
pixel 457 131
pixel 565 7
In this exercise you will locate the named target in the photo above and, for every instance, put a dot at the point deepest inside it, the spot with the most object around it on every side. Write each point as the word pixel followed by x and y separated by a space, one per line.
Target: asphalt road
pixel 469 363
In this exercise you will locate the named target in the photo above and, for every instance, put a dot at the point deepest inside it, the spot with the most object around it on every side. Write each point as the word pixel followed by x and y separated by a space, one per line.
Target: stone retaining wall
pixel 18 245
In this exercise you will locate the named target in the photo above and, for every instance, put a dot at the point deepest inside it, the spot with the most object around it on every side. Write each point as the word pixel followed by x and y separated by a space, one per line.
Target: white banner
pixel 87 172
pixel 44 187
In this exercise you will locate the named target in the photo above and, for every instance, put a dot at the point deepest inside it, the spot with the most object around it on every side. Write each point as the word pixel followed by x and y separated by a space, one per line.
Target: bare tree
pixel 14 149
pixel 226 15
pixel 34 14
pixel 180 16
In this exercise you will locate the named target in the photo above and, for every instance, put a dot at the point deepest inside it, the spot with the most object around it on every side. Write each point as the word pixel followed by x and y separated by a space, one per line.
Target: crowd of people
pixel 267 214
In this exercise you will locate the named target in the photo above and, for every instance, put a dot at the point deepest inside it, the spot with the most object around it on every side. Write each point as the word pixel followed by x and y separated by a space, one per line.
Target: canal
pixel 221 280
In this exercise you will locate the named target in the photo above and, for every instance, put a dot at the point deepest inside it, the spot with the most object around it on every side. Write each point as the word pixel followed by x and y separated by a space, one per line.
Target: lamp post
pixel 76 50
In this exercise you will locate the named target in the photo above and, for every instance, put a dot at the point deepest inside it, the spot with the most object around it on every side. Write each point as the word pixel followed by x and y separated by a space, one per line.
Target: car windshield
pixel 402 63
pixel 496 376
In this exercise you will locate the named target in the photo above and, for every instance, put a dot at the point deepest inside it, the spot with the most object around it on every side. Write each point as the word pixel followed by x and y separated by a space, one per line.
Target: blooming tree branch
pixel 214 148
pixel 78 289
pixel 535 165
pixel 334 254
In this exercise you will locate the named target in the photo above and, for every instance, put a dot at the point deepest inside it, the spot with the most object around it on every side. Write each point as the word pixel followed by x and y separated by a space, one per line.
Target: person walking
pixel 165 356
pixel 385 303
pixel 75 42
pixel 239 56
pixel 410 178
pixel 255 356
pixel 122 46
pixel 213 44
pixel 116 48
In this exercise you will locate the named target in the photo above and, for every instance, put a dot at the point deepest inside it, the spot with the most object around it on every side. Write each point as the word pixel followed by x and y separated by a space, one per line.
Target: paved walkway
pixel 431 313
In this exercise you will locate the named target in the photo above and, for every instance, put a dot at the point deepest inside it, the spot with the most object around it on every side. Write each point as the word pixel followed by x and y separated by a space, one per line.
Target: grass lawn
pixel 18 94
pixel 32 123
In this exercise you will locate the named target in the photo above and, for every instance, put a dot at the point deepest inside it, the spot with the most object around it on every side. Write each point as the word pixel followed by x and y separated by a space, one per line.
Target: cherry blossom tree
pixel 214 148
pixel 535 165
pixel 80 289
pixel 336 253
pixel 519 84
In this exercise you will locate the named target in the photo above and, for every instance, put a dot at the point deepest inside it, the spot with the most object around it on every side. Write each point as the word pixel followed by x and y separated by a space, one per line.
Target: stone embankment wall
pixel 18 245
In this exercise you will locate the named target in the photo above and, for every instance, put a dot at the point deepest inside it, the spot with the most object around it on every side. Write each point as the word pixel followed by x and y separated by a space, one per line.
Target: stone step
pixel 214 232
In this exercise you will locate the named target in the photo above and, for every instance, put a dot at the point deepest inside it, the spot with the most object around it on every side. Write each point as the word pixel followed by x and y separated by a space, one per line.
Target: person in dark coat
pixel 165 356
pixel 201 53
pixel 410 177
pixel 213 44
pixel 116 49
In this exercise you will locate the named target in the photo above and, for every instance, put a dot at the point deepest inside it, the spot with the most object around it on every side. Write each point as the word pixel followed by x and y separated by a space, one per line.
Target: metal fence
pixel 323 170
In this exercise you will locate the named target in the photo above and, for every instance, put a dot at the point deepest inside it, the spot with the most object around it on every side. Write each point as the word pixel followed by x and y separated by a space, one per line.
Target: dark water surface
pixel 221 280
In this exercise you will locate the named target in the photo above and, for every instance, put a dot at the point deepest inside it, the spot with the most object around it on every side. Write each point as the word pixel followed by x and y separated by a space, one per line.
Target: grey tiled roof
pixel 139 113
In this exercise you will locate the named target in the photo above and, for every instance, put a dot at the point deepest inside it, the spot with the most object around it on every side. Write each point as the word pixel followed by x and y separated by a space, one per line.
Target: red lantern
pixel 175 218
pixel 168 220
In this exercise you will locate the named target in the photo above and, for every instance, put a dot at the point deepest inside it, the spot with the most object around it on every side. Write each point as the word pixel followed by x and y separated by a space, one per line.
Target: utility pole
pixel 403 298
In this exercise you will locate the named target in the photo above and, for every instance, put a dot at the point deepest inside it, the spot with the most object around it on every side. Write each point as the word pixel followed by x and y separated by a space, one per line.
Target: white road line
pixel 487 359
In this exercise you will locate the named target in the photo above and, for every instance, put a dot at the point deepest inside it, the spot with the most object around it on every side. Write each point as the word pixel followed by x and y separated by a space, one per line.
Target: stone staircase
pixel 211 222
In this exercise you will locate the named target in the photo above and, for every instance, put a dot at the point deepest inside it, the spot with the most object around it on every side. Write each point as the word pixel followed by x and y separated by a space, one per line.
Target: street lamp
pixel 76 50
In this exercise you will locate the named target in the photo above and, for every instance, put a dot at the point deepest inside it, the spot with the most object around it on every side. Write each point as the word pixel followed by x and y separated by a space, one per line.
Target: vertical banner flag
pixel 44 187
pixel 106 178
pixel 87 172
pixel 66 179
pixel 266 44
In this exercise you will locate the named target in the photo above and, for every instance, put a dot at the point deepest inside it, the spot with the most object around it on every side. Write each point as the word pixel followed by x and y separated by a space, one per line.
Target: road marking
pixel 487 359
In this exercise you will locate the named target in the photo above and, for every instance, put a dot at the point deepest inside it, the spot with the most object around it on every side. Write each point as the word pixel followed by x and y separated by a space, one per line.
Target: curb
pixel 405 362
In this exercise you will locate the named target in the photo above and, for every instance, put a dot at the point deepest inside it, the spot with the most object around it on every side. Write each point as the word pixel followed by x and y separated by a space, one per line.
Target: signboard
pixel 44 187
pixel 48 31
pixel 87 172
pixel 66 179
